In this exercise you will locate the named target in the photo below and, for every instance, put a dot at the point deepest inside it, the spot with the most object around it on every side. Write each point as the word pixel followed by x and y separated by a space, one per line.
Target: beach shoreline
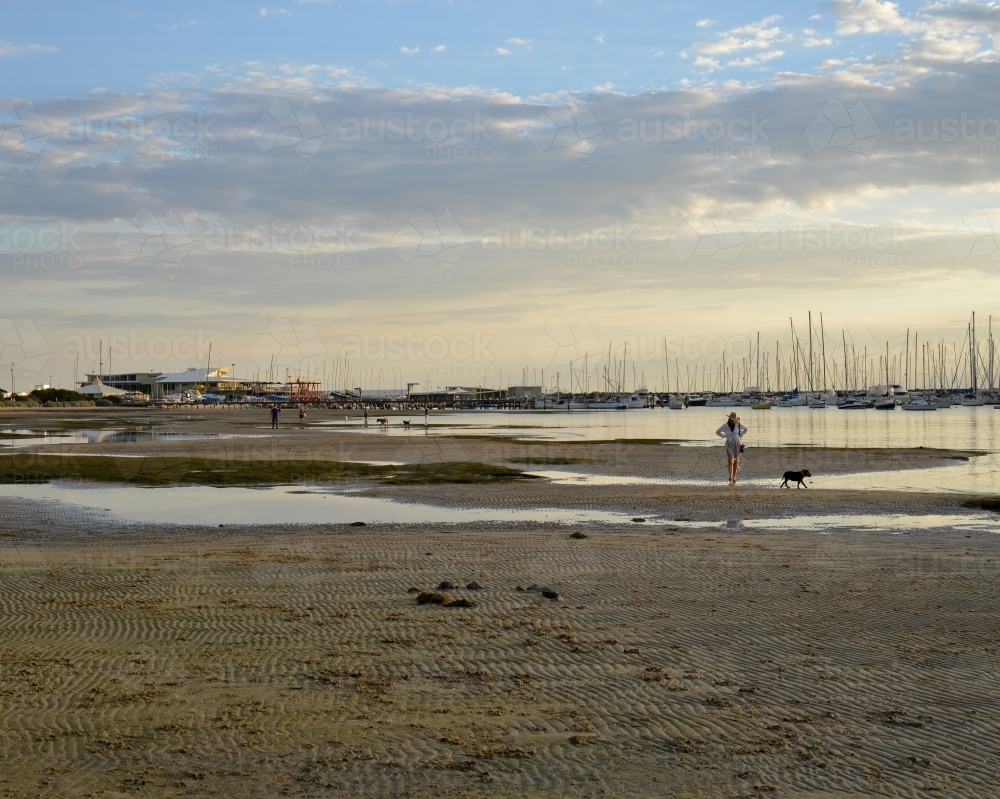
pixel 682 654
pixel 258 660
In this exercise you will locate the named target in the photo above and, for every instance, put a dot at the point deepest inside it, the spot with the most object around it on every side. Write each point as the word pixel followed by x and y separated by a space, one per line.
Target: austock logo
pixel 284 345
pixel 715 236
pixel 836 125
pixel 22 347
pixel 559 343
pixel 22 130
pixel 977 235
pixel 572 126
pixel 163 238
pixel 281 125
pixel 440 238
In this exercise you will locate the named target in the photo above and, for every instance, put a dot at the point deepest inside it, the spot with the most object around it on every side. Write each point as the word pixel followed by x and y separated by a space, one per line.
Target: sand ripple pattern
pixel 269 662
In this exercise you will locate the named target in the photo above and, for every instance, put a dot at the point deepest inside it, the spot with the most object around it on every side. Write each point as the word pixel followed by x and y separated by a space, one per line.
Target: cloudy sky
pixel 464 193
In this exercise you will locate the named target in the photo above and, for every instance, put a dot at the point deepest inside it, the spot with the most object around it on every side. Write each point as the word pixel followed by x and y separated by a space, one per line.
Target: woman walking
pixel 733 432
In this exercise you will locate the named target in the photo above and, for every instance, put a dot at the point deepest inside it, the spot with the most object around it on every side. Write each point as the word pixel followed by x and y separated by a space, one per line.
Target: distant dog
pixel 406 423
pixel 384 421
pixel 796 477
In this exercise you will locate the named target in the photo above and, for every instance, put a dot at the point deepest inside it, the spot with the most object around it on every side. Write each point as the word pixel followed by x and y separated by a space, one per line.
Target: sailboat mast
pixel 758 361
pixel 888 388
pixel 972 353
pixel 843 341
pixel 991 353
pixel 906 371
pixel 822 348
pixel 811 372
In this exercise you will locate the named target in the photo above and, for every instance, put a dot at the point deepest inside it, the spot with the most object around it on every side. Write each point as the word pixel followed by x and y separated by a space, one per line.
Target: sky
pixel 470 193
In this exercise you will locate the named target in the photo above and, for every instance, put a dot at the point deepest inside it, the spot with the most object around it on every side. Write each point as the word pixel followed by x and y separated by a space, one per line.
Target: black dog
pixel 796 477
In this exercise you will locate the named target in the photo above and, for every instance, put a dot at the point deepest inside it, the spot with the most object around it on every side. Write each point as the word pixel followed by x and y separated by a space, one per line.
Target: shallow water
pixel 277 505
pixel 15 439
pixel 978 475
pixel 953 428
pixel 203 505
pixel 956 428
pixel 888 523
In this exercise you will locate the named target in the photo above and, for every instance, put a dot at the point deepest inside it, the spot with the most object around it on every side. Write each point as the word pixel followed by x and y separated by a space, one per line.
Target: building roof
pixel 95 388
pixel 202 375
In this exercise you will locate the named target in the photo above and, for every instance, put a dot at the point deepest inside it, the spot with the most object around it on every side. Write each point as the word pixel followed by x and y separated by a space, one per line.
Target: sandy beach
pixel 177 662
pixel 164 660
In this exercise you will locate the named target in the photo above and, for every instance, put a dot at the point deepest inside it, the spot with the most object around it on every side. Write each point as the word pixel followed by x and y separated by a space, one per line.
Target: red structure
pixel 305 392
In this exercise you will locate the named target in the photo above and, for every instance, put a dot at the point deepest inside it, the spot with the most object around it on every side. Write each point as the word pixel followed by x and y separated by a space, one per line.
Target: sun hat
pixel 732 416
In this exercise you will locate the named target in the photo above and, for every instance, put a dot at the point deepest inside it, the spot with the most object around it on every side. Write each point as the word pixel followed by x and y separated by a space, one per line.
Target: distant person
pixel 366 417
pixel 426 414
pixel 733 432
pixel 302 412
pixel 275 412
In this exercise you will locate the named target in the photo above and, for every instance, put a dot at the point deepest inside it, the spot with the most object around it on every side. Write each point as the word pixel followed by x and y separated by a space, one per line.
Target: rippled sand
pixel 260 662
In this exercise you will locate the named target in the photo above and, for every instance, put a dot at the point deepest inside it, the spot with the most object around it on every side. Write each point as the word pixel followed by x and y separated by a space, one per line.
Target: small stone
pixel 444 585
pixel 433 598
pixel 535 587
pixel 460 603
pixel 578 535
pixel 474 586
pixel 519 588
pixel 578 740
pixel 639 519
pixel 358 524
pixel 548 593
pixel 412 590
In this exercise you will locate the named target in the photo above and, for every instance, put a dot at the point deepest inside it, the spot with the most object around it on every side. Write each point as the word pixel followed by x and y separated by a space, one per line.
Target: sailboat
pixel 920 403
pixel 887 401
pixel 973 399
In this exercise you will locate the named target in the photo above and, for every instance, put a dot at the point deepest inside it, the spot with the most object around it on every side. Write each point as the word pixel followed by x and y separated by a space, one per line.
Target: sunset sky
pixel 448 191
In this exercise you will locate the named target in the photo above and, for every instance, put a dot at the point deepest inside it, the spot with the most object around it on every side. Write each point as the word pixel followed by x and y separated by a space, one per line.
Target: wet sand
pixel 144 659
pixel 645 459
pixel 259 662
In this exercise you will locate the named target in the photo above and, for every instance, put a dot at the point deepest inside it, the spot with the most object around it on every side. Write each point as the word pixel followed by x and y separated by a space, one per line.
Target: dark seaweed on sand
pixel 173 471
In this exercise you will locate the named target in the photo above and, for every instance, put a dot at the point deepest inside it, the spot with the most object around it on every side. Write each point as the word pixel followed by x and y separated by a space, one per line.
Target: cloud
pixel 870 16
pixel 274 12
pixel 408 50
pixel 650 182
pixel 811 41
pixel 705 23
pixel 754 60
pixel 599 38
pixel 502 51
pixel 756 35
pixel 11 49
pixel 516 42
pixel 439 49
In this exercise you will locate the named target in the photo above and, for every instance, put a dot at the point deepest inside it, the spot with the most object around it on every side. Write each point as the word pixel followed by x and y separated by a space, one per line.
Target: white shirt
pixel 735 434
